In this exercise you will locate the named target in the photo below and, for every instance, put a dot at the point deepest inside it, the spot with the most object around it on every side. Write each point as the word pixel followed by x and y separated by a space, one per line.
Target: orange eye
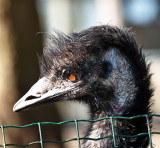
pixel 72 77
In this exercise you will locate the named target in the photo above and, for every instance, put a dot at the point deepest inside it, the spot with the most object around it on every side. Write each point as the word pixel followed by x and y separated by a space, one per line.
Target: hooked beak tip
pixel 25 102
pixel 17 107
pixel 31 97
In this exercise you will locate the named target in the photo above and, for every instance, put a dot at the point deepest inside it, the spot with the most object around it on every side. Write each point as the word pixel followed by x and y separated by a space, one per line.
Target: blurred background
pixel 23 24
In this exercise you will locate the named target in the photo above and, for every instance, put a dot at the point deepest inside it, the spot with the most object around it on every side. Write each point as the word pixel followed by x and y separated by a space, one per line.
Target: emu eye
pixel 69 76
pixel 72 77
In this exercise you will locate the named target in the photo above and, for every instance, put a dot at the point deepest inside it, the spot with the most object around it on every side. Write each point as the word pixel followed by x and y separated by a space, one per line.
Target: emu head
pixel 94 66
pixel 71 67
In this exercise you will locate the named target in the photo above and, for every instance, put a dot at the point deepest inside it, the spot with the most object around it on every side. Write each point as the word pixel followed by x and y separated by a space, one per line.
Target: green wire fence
pixel 78 138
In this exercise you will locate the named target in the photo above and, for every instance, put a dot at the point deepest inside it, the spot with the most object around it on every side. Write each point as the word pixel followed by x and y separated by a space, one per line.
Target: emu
pixel 103 67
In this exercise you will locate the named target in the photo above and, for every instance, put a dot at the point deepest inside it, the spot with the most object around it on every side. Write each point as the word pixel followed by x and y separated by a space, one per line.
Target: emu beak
pixel 41 92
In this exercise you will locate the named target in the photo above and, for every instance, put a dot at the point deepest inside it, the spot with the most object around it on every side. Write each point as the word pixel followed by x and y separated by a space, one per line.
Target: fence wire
pixel 78 138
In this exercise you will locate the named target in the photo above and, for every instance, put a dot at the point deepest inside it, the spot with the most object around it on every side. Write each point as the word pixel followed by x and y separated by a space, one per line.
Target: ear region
pixel 106 69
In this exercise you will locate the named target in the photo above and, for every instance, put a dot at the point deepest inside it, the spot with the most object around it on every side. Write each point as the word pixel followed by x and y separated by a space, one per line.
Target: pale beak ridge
pixel 40 92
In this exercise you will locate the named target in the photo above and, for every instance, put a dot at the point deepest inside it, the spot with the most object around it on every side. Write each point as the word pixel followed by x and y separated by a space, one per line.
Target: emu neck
pixel 122 81
pixel 122 100
pixel 118 89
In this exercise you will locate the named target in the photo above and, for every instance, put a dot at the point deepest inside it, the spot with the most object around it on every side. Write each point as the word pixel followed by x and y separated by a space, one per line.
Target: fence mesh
pixel 78 138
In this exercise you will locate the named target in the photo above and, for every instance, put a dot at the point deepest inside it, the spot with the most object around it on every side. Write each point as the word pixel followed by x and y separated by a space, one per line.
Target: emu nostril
pixel 31 97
